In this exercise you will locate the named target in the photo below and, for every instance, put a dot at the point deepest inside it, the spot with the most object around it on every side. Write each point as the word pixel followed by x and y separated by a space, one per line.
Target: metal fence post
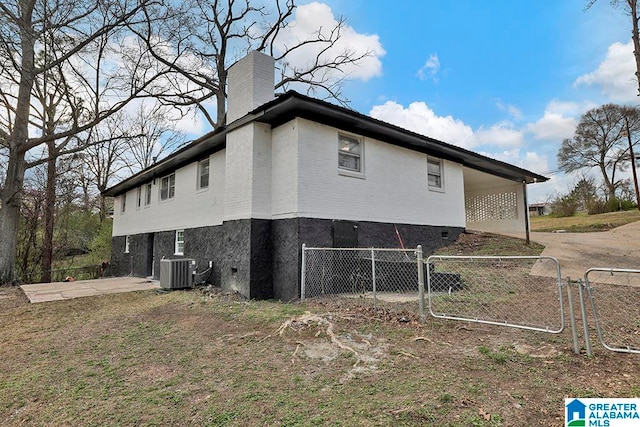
pixel 373 276
pixel 583 308
pixel 419 262
pixel 572 318
pixel 302 269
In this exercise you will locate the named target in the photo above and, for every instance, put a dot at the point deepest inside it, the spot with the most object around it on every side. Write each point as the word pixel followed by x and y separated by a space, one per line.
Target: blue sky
pixel 508 79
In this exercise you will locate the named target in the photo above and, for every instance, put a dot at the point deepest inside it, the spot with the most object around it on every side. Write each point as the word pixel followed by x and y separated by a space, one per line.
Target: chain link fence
pixel 614 298
pixel 367 275
pixel 496 290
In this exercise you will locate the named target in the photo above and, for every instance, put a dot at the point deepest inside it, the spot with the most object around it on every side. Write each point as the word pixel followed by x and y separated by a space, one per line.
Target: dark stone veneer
pixel 261 258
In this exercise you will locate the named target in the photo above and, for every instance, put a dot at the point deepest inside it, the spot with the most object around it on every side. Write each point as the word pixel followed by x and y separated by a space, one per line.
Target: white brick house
pixel 292 170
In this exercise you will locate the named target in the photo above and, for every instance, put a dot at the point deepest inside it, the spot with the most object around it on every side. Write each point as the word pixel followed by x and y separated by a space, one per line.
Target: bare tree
pixel 600 141
pixel 199 39
pixel 153 135
pixel 109 53
pixel 106 156
pixel 86 34
pixel 54 106
pixel 28 253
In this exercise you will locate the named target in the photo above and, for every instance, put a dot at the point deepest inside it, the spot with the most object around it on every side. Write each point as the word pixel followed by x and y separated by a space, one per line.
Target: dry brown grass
pixel 208 358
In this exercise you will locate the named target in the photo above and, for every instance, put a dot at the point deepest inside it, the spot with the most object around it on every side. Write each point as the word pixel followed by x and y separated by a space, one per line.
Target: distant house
pixel 539 209
pixel 291 169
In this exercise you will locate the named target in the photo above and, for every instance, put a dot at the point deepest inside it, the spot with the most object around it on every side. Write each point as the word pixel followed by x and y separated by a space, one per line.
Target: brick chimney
pixel 250 84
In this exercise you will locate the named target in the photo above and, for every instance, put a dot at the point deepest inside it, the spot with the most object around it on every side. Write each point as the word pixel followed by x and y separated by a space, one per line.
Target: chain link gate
pixel 370 275
pixel 496 290
pixel 614 297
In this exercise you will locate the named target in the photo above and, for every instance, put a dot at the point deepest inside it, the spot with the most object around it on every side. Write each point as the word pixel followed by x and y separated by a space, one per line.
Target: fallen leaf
pixel 484 415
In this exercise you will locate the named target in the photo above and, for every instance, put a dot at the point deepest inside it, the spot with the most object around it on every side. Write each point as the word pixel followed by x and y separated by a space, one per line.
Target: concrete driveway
pixel 57 291
pixel 577 252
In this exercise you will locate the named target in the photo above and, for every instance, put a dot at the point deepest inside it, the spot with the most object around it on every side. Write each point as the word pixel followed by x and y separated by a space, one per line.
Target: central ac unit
pixel 176 273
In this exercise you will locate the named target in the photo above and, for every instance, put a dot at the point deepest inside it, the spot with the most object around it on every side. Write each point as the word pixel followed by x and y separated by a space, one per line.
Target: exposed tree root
pixel 299 322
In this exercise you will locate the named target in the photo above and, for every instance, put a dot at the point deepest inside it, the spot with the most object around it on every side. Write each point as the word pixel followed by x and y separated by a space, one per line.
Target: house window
pixel 147 195
pixel 168 187
pixel 349 153
pixel 179 242
pixel 139 198
pixel 434 174
pixel 126 244
pixel 203 174
pixel 124 203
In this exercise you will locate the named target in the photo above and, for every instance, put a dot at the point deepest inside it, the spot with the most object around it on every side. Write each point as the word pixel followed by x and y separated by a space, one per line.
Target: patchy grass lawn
pixel 209 358
pixel 584 223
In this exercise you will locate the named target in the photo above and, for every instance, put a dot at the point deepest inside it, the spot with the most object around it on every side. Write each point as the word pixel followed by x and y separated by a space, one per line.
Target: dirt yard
pixel 204 357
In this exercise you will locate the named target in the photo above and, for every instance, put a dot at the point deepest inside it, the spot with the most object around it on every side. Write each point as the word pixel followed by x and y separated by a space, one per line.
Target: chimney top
pixel 250 84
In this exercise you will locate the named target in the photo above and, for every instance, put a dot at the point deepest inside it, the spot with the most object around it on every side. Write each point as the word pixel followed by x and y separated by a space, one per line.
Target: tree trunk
pixel 11 194
pixel 635 36
pixel 10 198
pixel 49 212
pixel 609 183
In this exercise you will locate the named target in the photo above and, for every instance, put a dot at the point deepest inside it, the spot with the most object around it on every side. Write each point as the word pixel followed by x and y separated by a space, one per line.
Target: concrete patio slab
pixel 58 291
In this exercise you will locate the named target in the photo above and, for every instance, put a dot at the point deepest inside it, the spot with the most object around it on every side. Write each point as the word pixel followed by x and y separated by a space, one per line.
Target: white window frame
pixel 138 197
pixel 127 243
pixel 123 206
pixel 170 189
pixel 147 195
pixel 342 153
pixel 201 168
pixel 440 176
pixel 179 243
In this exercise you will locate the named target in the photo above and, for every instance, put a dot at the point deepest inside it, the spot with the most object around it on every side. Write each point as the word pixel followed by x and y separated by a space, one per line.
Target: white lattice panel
pixel 492 207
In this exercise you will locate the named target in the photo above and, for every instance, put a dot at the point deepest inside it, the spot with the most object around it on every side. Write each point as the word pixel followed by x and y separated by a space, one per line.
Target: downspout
pixel 526 212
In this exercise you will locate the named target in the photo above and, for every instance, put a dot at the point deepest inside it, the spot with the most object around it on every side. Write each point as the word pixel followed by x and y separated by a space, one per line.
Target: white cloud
pixel 430 69
pixel 501 135
pixel 559 120
pixel 419 118
pixel 314 17
pixel 513 111
pixel 615 75
pixel 553 126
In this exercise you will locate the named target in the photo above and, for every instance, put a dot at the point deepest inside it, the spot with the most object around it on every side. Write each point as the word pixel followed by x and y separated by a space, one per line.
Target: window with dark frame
pixel 203 174
pixel 147 195
pixel 349 153
pixel 434 173
pixel 168 187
